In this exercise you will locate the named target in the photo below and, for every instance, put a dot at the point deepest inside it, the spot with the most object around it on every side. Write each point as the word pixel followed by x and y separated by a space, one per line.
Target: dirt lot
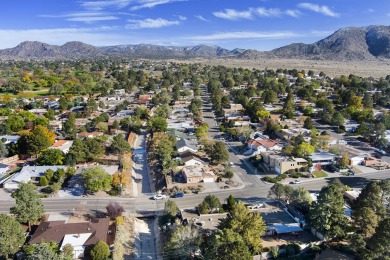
pixel 125 240
pixel 331 68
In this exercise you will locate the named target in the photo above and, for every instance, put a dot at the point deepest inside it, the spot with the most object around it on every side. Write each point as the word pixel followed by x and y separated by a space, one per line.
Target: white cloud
pixel 264 12
pixel 293 13
pixel 101 5
pixel 182 18
pixel 141 4
pixel 370 10
pixel 231 14
pixel 243 35
pixel 201 18
pixel 92 19
pixel 325 10
pixel 150 23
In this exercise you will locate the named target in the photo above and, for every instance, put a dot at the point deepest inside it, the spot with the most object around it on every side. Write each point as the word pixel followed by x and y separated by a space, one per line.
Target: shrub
pixel 43 181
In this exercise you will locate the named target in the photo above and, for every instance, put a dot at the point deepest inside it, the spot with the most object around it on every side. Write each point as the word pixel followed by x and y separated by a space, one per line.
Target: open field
pixel 374 69
pixel 27 94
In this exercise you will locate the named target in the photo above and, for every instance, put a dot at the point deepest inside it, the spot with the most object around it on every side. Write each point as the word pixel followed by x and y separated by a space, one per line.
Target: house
pixel 281 164
pixel 321 157
pixel 9 139
pixel 196 174
pixel 3 169
pixel 186 145
pixel 62 145
pixel 121 91
pixel 38 111
pixel 84 135
pixel 351 126
pixel 29 173
pixel 190 159
pixel 55 125
pixel 124 113
pixel 144 99
pixel 79 235
pixel 263 145
pixel 81 122
pixel 179 134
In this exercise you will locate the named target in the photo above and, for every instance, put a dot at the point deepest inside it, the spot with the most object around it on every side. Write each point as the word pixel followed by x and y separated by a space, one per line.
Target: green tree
pixel 11 236
pixel 69 126
pixel 120 145
pixel 304 149
pixel 379 243
pixel 227 244
pixel 94 149
pixel 157 124
pixel 3 150
pixel 288 107
pixel 344 160
pixel 77 152
pixel 217 152
pixel 100 251
pixel 29 207
pixel 43 251
pixel 96 179
pixel 367 101
pixel 43 181
pixel 51 157
pixel 39 139
pixel 210 204
pixel 326 214
pixel 170 208
pixel 308 123
pixel 67 251
pixel 248 224
pixel 301 199
pixel 370 197
pixel 365 221
pixel 231 202
pixel 63 103
pixel 15 122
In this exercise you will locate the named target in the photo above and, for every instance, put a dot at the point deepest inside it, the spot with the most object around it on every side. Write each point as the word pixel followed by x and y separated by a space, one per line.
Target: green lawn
pixel 27 94
pixel 320 174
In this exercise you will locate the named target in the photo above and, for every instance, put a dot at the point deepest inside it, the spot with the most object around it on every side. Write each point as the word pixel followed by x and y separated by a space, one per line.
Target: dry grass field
pixel 374 69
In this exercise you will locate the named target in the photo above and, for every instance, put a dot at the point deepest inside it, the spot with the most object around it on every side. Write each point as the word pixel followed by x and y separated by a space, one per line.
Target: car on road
pixel 231 164
pixel 296 182
pixel 380 151
pixel 178 195
pixel 159 197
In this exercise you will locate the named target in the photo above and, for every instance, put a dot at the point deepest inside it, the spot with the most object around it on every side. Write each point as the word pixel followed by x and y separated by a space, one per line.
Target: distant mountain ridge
pixel 346 44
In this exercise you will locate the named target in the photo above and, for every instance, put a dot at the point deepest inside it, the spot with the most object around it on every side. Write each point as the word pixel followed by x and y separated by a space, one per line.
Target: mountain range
pixel 346 44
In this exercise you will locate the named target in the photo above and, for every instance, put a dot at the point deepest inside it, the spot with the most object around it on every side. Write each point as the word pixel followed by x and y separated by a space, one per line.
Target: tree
pixel 3 150
pixel 170 208
pixel 288 107
pixel 365 221
pixel 43 181
pixel 96 179
pixel 367 101
pixel 77 152
pixel 69 126
pixel 304 149
pixel 301 199
pixel 217 152
pixel 29 207
pixel 326 214
pixel 15 122
pixel 102 126
pixel 68 252
pixel 100 251
pixel 231 202
pixel 308 123
pixel 378 245
pixel 51 157
pixel 344 160
pixel 94 149
pixel 248 224
pixel 43 251
pixel 280 190
pixel 370 197
pixel 210 204
pixel 11 236
pixel 114 209
pixel 120 145
pixel 39 139
pixel 63 103
pixel 157 124
pixel 227 244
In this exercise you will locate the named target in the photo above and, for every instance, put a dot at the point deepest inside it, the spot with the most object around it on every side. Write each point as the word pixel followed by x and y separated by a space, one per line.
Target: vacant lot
pixel 331 68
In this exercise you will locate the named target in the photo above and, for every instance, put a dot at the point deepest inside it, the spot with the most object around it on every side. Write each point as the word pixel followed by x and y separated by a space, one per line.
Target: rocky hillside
pixel 347 44
pixel 42 51
pixel 352 43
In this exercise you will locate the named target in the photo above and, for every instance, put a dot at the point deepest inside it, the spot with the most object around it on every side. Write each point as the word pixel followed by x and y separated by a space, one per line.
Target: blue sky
pixel 249 24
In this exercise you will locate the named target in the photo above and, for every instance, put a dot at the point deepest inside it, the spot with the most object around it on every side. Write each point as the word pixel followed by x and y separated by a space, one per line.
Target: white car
pixel 296 182
pixel 231 164
pixel 159 197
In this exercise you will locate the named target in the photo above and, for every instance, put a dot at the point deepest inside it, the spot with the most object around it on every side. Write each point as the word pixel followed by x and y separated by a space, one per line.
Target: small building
pixel 121 91
pixel 352 195
pixel 81 122
pixel 263 145
pixel 186 145
pixel 84 135
pixel 190 159
pixel 29 173
pixel 62 145
pixel 196 174
pixel 144 99
pixel 281 164
pixel 79 235
pixel 9 139
pixel 55 125
pixel 323 158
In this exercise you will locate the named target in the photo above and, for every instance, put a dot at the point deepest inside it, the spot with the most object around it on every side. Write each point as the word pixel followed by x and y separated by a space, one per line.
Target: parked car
pixel 178 195
pixel 159 197
pixel 296 182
